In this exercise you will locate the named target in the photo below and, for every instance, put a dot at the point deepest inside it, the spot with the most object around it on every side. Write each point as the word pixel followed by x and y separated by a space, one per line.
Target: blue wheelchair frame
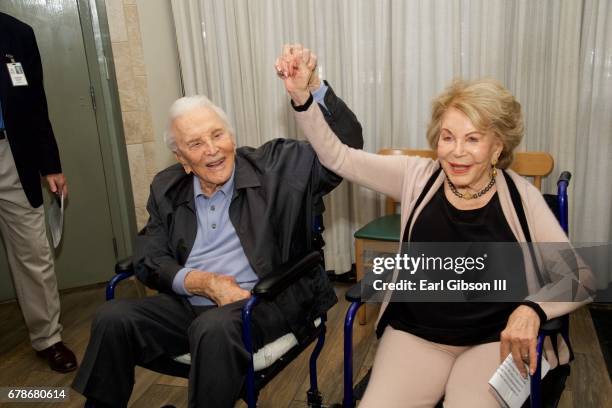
pixel 265 289
pixel 559 205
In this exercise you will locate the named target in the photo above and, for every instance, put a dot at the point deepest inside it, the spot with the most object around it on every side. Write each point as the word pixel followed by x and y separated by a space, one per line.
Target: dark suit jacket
pixel 24 109
pixel 277 189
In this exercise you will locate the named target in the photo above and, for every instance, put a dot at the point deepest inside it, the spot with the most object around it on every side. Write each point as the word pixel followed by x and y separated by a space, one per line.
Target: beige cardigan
pixel 404 177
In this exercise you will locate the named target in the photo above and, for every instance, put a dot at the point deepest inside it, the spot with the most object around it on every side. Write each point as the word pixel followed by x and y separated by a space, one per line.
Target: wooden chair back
pixel 527 164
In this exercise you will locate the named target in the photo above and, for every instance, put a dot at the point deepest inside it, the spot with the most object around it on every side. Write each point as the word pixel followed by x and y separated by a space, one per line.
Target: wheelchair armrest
pixel 362 290
pixel 124 265
pixel 287 274
pixel 552 326
pixel 354 293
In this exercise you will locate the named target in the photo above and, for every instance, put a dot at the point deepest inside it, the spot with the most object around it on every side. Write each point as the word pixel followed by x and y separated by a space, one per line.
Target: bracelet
pixel 303 107
pixel 538 309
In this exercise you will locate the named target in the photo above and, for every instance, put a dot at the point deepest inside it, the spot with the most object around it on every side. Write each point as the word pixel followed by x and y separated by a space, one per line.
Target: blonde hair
pixel 489 106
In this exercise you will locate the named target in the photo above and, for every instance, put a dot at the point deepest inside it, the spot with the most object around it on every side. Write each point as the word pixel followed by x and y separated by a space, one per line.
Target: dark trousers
pixel 148 332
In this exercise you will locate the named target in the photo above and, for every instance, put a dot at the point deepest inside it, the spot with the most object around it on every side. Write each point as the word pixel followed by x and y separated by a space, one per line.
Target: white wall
pixel 162 67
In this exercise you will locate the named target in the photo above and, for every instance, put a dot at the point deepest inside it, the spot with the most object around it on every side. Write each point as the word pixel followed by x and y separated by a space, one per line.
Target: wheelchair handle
pixel 124 265
pixel 564 176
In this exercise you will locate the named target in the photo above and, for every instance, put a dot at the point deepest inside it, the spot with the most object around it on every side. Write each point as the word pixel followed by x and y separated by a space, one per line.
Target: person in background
pixel 28 151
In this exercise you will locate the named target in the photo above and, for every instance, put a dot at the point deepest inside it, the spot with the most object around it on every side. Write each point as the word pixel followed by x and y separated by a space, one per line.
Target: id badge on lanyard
pixel 16 72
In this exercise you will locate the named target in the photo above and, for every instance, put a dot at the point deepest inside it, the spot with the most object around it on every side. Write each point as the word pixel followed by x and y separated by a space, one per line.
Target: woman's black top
pixel 462 323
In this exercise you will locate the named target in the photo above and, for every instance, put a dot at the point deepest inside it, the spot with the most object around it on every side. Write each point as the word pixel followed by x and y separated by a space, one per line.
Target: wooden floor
pixel 589 384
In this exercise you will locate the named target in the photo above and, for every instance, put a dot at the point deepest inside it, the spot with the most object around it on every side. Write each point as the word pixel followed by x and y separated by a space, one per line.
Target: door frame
pixel 105 96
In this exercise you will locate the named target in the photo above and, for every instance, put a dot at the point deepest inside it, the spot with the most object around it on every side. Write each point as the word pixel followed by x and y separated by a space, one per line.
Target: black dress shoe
pixel 346 277
pixel 59 357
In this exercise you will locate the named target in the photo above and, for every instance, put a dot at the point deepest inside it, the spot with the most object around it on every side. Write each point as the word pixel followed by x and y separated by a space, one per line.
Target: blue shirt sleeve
pixel 178 284
pixel 319 94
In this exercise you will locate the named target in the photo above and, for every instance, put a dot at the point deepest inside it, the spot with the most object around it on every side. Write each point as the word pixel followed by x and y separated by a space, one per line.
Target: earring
pixel 493 164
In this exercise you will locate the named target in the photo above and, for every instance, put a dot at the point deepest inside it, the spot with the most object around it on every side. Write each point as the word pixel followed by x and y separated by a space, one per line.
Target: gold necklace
pixel 468 196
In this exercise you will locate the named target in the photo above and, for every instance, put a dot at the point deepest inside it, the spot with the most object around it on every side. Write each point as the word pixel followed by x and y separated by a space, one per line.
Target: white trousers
pixel 29 256
pixel 412 372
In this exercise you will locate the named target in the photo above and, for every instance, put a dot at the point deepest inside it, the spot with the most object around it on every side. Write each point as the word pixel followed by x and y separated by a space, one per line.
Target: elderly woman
pixel 432 351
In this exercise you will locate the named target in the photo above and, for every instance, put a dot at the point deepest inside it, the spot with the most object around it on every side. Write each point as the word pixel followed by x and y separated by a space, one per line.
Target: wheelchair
pixel 267 362
pixel 544 392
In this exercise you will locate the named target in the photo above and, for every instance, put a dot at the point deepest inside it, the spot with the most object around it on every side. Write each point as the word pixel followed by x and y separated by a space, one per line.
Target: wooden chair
pixel 382 234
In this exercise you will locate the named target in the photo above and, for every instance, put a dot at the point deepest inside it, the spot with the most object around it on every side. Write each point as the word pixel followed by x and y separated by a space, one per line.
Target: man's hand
pixel 221 289
pixel 297 68
pixel 520 338
pixel 57 184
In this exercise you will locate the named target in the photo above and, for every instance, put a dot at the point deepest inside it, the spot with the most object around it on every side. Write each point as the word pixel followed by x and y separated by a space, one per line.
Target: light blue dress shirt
pixel 319 95
pixel 216 248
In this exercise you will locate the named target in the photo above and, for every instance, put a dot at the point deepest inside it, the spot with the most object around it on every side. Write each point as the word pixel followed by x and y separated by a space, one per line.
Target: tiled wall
pixel 134 98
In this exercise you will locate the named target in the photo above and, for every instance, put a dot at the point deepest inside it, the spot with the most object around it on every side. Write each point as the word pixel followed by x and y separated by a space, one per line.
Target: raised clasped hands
pixel 296 66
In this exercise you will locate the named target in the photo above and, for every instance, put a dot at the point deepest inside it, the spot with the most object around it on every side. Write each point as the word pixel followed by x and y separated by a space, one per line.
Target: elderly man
pixel 220 220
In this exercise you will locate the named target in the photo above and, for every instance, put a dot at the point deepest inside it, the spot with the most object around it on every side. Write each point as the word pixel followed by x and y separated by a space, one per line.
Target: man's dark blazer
pixel 278 187
pixel 24 109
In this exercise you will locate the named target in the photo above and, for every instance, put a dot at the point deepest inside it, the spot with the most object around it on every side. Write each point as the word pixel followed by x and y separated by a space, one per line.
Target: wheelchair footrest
pixel 315 400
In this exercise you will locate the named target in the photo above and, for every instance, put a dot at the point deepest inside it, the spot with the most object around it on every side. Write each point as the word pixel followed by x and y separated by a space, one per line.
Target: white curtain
pixel 388 58
pixel 592 217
